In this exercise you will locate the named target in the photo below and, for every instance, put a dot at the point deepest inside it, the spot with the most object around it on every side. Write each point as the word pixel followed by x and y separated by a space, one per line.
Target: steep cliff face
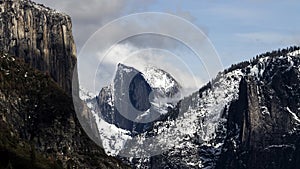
pixel 43 37
pixel 137 95
pixel 264 121
pixel 128 89
pixel 248 117
pixel 38 124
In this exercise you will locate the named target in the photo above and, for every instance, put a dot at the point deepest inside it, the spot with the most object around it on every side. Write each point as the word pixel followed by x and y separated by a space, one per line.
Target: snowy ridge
pixel 259 68
pixel 85 94
pixel 167 89
pixel 199 121
pixel 200 117
pixel 112 137
pixel 295 117
pixel 159 79
pixel 294 53
pixel 208 109
pixel 124 68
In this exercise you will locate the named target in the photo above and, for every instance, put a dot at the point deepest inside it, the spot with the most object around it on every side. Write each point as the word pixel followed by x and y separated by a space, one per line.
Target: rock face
pixel 129 89
pixel 267 115
pixel 134 93
pixel 43 37
pixel 248 117
pixel 38 125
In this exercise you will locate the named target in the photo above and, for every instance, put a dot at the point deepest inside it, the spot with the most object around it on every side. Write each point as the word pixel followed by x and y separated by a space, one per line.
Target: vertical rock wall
pixel 43 37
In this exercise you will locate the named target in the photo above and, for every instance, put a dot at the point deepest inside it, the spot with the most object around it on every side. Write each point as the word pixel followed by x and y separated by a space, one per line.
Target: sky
pixel 238 30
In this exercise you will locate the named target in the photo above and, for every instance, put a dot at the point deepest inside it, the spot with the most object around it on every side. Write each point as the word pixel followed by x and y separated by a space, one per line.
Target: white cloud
pixel 162 30
pixel 140 58
pixel 90 15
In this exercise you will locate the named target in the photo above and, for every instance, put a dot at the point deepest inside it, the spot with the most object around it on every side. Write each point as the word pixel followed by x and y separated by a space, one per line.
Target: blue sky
pixel 239 30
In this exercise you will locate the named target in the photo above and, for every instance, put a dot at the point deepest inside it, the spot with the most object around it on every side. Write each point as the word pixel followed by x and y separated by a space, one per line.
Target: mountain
pixel 161 81
pixel 247 117
pixel 146 96
pixel 38 124
pixel 266 115
pixel 149 95
pixel 41 36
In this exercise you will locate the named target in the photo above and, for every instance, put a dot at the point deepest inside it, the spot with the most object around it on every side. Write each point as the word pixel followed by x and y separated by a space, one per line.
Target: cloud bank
pixel 140 58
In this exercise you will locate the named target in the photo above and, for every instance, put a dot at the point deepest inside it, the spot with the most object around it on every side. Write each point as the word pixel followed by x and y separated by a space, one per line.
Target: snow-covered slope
pixel 294 53
pixel 112 137
pixel 210 124
pixel 162 81
pixel 112 126
pixel 196 138
pixel 264 127
pixel 163 91
pixel 199 120
pixel 86 95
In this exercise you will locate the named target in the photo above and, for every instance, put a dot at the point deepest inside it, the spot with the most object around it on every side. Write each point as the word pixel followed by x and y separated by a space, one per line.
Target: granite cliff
pixel 246 118
pixel 42 36
pixel 38 124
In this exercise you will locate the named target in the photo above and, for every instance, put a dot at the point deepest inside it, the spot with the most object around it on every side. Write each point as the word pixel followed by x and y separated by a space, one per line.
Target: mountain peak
pixel 157 78
pixel 121 65
pixel 122 68
pixel 215 120
pixel 162 80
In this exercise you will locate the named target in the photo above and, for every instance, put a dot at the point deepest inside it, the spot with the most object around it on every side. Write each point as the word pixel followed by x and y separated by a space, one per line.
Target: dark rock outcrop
pixel 129 94
pixel 131 99
pixel 38 124
pixel 263 124
pixel 43 37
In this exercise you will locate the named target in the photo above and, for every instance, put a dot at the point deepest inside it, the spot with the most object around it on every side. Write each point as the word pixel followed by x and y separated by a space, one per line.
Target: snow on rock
pixel 259 68
pixel 125 68
pixel 113 138
pixel 167 89
pixel 294 53
pixel 281 146
pixel 295 117
pixel 200 115
pixel 199 119
pixel 158 78
pixel 85 94
pixel 264 110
